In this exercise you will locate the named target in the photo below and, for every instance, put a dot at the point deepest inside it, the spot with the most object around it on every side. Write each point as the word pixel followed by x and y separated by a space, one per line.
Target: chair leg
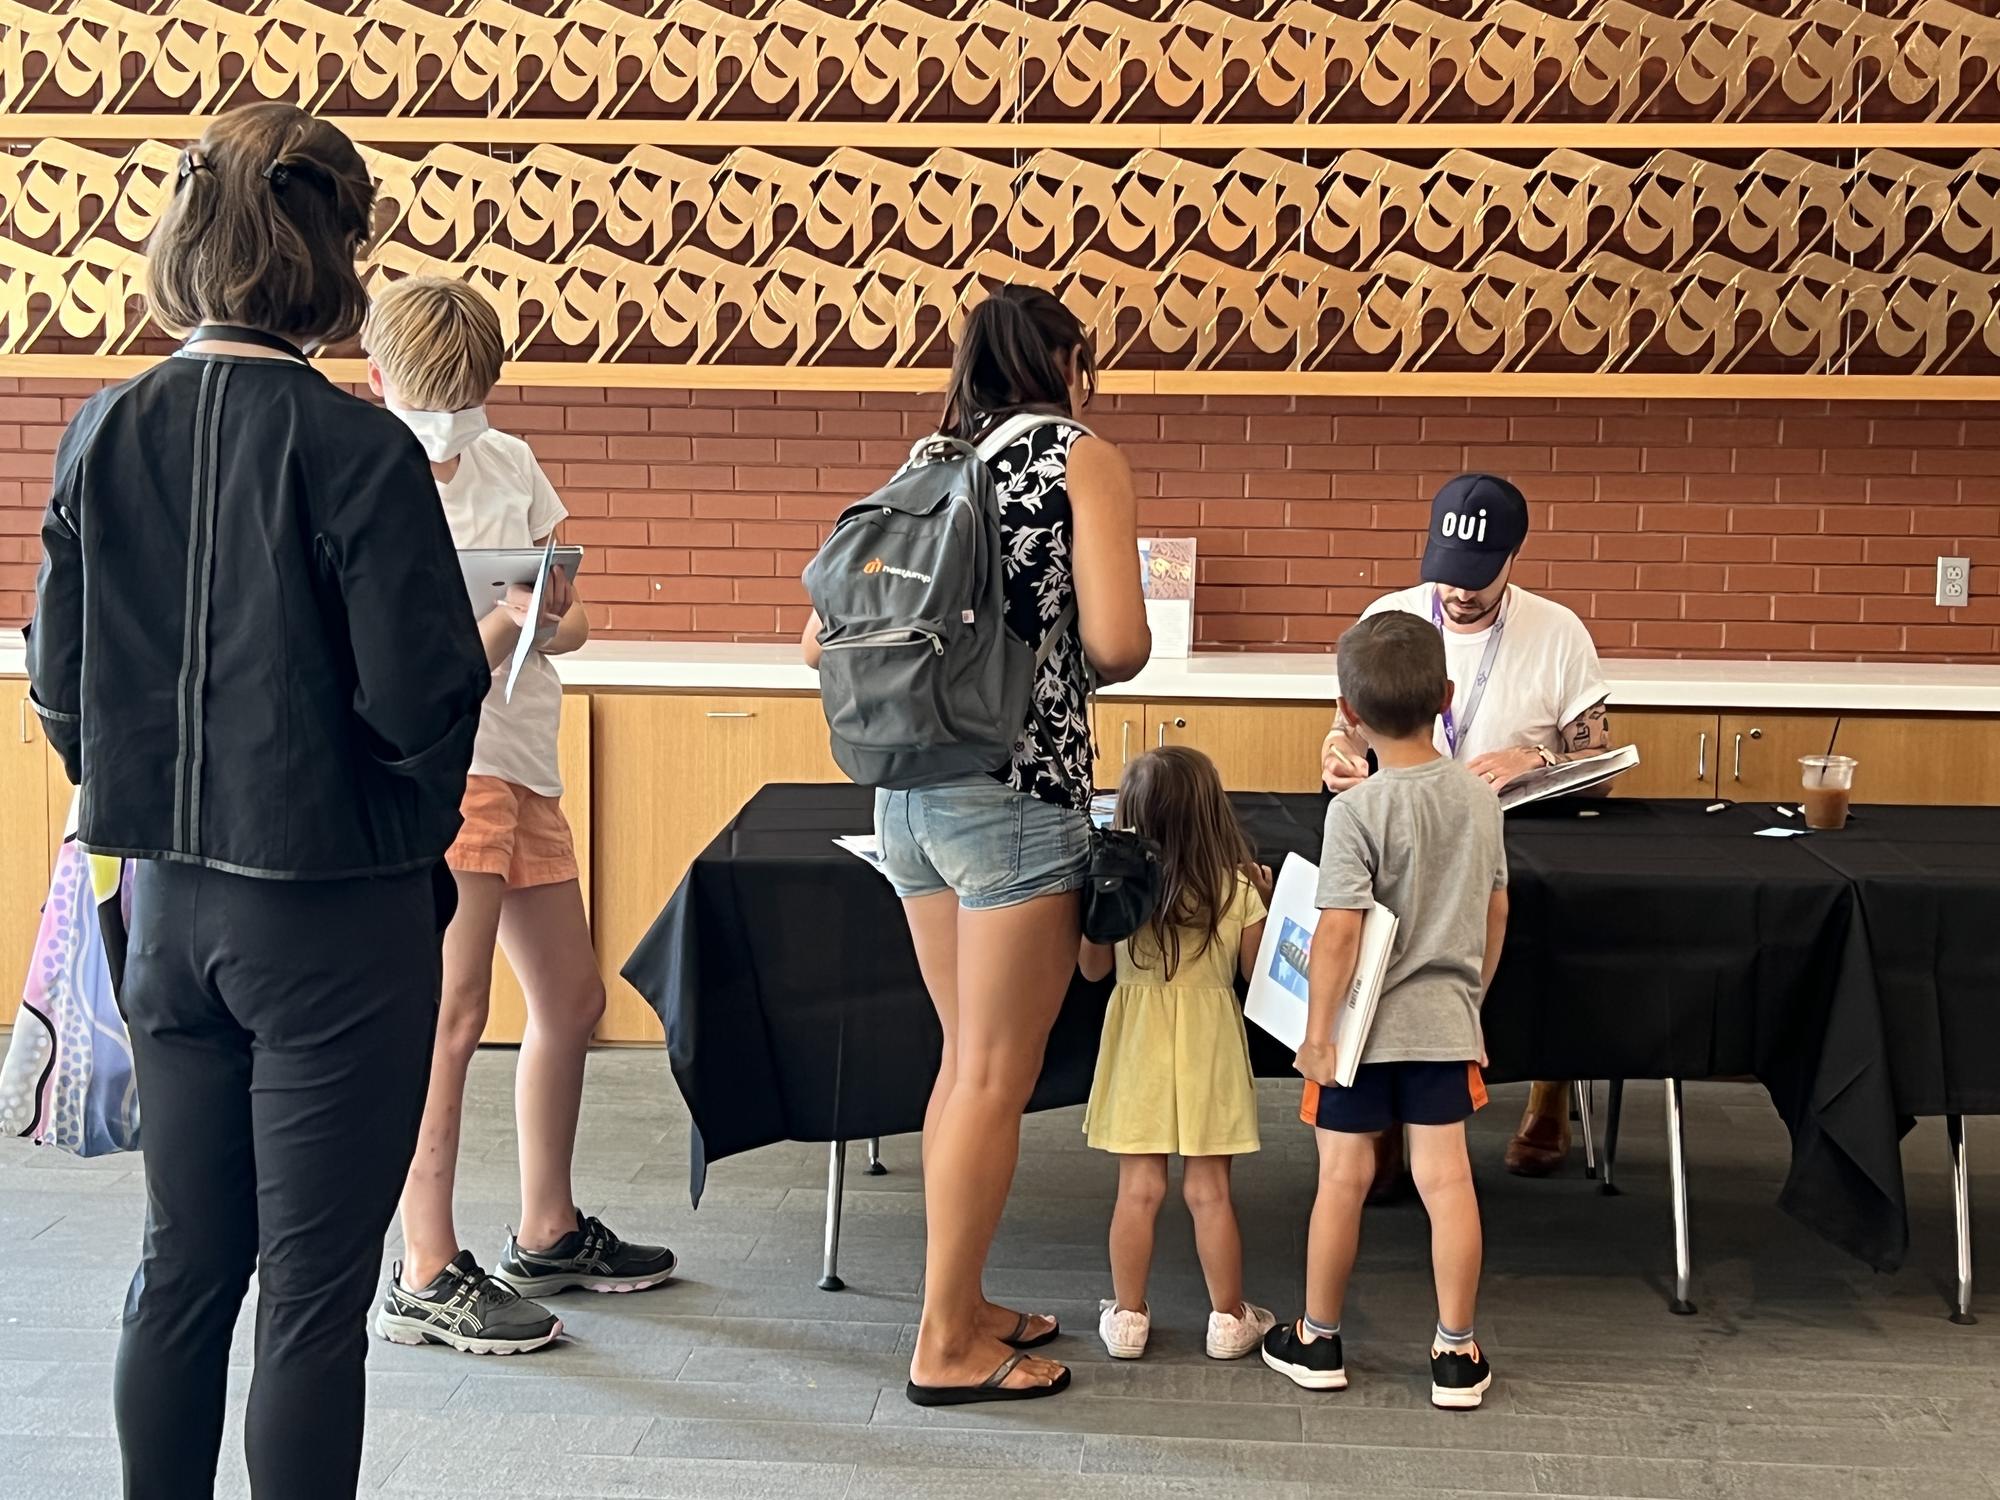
pixel 1961 1203
pixel 875 1167
pixel 1586 1092
pixel 1677 1170
pixel 836 1180
pixel 1614 1106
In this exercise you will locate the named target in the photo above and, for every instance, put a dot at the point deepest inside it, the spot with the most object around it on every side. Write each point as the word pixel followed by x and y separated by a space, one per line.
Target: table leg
pixel 1677 1171
pixel 836 1178
pixel 1961 1204
pixel 1585 1092
pixel 1614 1106
pixel 875 1167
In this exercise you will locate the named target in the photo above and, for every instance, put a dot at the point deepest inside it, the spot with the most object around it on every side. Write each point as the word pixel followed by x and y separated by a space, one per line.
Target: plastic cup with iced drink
pixel 1827 781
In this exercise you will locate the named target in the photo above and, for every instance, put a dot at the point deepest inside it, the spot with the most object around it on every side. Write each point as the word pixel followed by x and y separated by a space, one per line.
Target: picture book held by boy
pixel 1280 984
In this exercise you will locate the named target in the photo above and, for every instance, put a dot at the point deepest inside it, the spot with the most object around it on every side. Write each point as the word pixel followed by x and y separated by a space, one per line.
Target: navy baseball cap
pixel 1478 521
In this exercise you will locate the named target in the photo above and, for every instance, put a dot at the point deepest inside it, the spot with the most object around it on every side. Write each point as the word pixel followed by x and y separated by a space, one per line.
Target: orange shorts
pixel 514 833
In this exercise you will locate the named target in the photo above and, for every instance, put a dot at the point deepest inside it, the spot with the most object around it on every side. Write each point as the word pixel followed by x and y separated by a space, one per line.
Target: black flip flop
pixel 1015 1340
pixel 991 1389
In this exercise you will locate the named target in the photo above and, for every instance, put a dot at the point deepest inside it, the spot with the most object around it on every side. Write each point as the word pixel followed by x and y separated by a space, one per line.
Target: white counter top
pixel 1836 686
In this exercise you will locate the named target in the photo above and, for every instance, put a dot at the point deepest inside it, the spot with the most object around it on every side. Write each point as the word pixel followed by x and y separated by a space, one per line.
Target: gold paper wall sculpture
pixel 776 191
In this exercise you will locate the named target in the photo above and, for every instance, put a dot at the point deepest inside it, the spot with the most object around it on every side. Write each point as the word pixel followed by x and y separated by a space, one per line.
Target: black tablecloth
pixel 1650 940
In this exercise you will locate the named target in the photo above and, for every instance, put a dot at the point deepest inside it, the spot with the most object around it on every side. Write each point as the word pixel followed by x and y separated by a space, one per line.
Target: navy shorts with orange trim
pixel 1396 1093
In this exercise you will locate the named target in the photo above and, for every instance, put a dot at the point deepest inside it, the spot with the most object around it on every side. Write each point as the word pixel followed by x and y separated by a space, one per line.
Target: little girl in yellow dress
pixel 1173 1067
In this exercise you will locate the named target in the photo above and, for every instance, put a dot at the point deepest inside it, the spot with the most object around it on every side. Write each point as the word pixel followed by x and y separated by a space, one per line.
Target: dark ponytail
pixel 1011 357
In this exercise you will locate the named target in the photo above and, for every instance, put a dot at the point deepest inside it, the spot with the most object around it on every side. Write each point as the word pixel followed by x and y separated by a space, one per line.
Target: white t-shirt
pixel 1545 672
pixel 499 497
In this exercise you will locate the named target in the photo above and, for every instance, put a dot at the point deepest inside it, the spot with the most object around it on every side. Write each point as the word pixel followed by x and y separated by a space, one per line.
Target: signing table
pixel 1852 974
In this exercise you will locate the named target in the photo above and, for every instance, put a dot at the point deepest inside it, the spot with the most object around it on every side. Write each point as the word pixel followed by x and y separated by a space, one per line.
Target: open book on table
pixel 1566 777
pixel 1279 988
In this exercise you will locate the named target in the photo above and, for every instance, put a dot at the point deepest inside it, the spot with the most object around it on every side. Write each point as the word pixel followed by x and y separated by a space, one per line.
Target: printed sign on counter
pixel 1166 565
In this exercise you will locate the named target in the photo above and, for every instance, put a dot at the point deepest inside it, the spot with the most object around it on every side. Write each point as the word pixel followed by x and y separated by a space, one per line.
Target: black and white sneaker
pixel 589 1256
pixel 465 1309
pixel 1317 1365
pixel 1459 1381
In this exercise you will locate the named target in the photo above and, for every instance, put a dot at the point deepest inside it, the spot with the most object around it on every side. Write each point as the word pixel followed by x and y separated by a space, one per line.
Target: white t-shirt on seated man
pixel 1527 691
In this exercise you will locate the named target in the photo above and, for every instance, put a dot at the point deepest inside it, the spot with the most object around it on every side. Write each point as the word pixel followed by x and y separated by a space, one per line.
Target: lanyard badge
pixel 1456 729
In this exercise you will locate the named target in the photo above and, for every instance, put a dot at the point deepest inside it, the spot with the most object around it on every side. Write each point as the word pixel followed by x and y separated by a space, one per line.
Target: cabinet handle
pixel 732 714
pixel 1737 774
pixel 1178 724
pixel 1125 743
pixel 1701 757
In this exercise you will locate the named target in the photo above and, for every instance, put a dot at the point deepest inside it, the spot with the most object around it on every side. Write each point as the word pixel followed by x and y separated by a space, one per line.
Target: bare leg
pixel 1346 1168
pixel 547 939
pixel 934 931
pixel 1444 1178
pixel 1217 1241
pixel 1142 1188
pixel 430 1238
pixel 1014 966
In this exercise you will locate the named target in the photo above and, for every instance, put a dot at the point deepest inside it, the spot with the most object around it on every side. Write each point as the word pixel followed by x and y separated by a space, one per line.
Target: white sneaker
pixel 1124 1333
pixel 1232 1337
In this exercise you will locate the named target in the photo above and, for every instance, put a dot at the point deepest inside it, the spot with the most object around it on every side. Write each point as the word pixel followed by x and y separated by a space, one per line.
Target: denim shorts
pixel 980 839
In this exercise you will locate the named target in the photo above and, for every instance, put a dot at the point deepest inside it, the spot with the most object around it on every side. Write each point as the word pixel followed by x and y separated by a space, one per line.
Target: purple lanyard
pixel 1455 729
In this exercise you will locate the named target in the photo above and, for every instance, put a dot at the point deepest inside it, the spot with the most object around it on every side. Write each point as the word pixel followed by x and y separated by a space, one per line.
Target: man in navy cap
pixel 1527 691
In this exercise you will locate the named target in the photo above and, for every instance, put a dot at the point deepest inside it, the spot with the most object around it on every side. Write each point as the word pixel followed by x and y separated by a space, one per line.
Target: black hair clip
pixel 191 163
pixel 277 174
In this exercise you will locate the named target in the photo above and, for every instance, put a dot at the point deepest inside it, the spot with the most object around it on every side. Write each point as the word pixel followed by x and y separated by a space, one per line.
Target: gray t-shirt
pixel 1426 843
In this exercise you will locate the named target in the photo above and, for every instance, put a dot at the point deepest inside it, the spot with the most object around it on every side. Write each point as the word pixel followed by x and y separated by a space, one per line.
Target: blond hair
pixel 437 341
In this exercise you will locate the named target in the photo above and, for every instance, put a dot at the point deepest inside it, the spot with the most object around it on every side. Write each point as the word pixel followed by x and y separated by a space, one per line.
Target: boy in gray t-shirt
pixel 1422 838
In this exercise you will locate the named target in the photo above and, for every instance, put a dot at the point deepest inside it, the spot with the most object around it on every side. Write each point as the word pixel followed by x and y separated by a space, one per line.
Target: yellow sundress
pixel 1173 1066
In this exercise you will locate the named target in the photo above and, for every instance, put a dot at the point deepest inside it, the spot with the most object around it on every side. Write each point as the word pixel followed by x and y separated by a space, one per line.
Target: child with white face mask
pixel 434 349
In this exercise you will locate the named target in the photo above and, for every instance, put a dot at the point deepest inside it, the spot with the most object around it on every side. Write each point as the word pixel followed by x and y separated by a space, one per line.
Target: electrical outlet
pixel 1954 581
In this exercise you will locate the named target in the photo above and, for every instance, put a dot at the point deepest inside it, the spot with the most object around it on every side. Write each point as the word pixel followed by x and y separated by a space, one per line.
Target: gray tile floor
pixel 1801 1375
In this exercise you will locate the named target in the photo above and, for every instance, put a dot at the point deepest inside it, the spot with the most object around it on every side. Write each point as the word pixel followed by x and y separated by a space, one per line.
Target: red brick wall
pixel 1672 527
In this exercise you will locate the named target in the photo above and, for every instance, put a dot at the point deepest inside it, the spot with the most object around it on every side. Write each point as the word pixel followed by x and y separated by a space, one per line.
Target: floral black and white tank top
pixel 1052 759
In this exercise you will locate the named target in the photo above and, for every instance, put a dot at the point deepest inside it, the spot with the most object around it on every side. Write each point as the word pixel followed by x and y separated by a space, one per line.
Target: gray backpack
pixel 920 677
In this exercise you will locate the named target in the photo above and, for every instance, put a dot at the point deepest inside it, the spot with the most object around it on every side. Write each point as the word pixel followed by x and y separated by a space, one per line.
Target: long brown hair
pixel 1011 357
pixel 269 210
pixel 1174 797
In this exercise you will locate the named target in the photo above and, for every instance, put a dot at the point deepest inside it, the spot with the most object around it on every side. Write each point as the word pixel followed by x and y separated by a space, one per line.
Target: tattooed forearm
pixel 1588 734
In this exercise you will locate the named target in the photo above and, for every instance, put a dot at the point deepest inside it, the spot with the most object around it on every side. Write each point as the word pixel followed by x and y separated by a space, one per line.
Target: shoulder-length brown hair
pixel 268 212
pixel 1174 796
pixel 1012 357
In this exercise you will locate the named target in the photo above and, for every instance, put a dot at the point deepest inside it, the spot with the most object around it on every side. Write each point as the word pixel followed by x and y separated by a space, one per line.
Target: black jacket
pixel 251 643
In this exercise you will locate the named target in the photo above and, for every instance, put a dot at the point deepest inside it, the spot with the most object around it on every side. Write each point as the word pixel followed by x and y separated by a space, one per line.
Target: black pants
pixel 281 1034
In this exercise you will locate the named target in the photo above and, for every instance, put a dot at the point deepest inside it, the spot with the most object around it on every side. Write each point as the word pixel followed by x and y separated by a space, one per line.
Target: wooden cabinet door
pixel 507 1014
pixel 1951 759
pixel 25 840
pixel 1677 752
pixel 1256 747
pixel 1120 728
pixel 670 771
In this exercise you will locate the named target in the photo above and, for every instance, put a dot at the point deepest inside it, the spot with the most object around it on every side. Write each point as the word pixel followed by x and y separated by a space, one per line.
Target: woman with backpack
pixel 989 867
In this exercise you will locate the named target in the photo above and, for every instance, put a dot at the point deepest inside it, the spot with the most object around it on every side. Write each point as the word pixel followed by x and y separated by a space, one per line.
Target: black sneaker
pixel 1317 1365
pixel 465 1309
pixel 589 1256
pixel 1459 1381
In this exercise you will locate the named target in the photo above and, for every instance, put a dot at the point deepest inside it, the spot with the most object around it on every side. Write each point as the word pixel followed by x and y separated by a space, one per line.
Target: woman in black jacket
pixel 253 649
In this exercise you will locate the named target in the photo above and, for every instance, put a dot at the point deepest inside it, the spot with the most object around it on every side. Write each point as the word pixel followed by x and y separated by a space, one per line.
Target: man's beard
pixel 1466 613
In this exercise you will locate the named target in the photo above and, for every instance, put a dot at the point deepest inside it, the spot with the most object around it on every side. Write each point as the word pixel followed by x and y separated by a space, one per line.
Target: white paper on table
pixel 1279 988
pixel 526 644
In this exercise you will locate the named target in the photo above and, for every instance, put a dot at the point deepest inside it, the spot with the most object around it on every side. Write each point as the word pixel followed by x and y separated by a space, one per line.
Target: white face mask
pixel 444 434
